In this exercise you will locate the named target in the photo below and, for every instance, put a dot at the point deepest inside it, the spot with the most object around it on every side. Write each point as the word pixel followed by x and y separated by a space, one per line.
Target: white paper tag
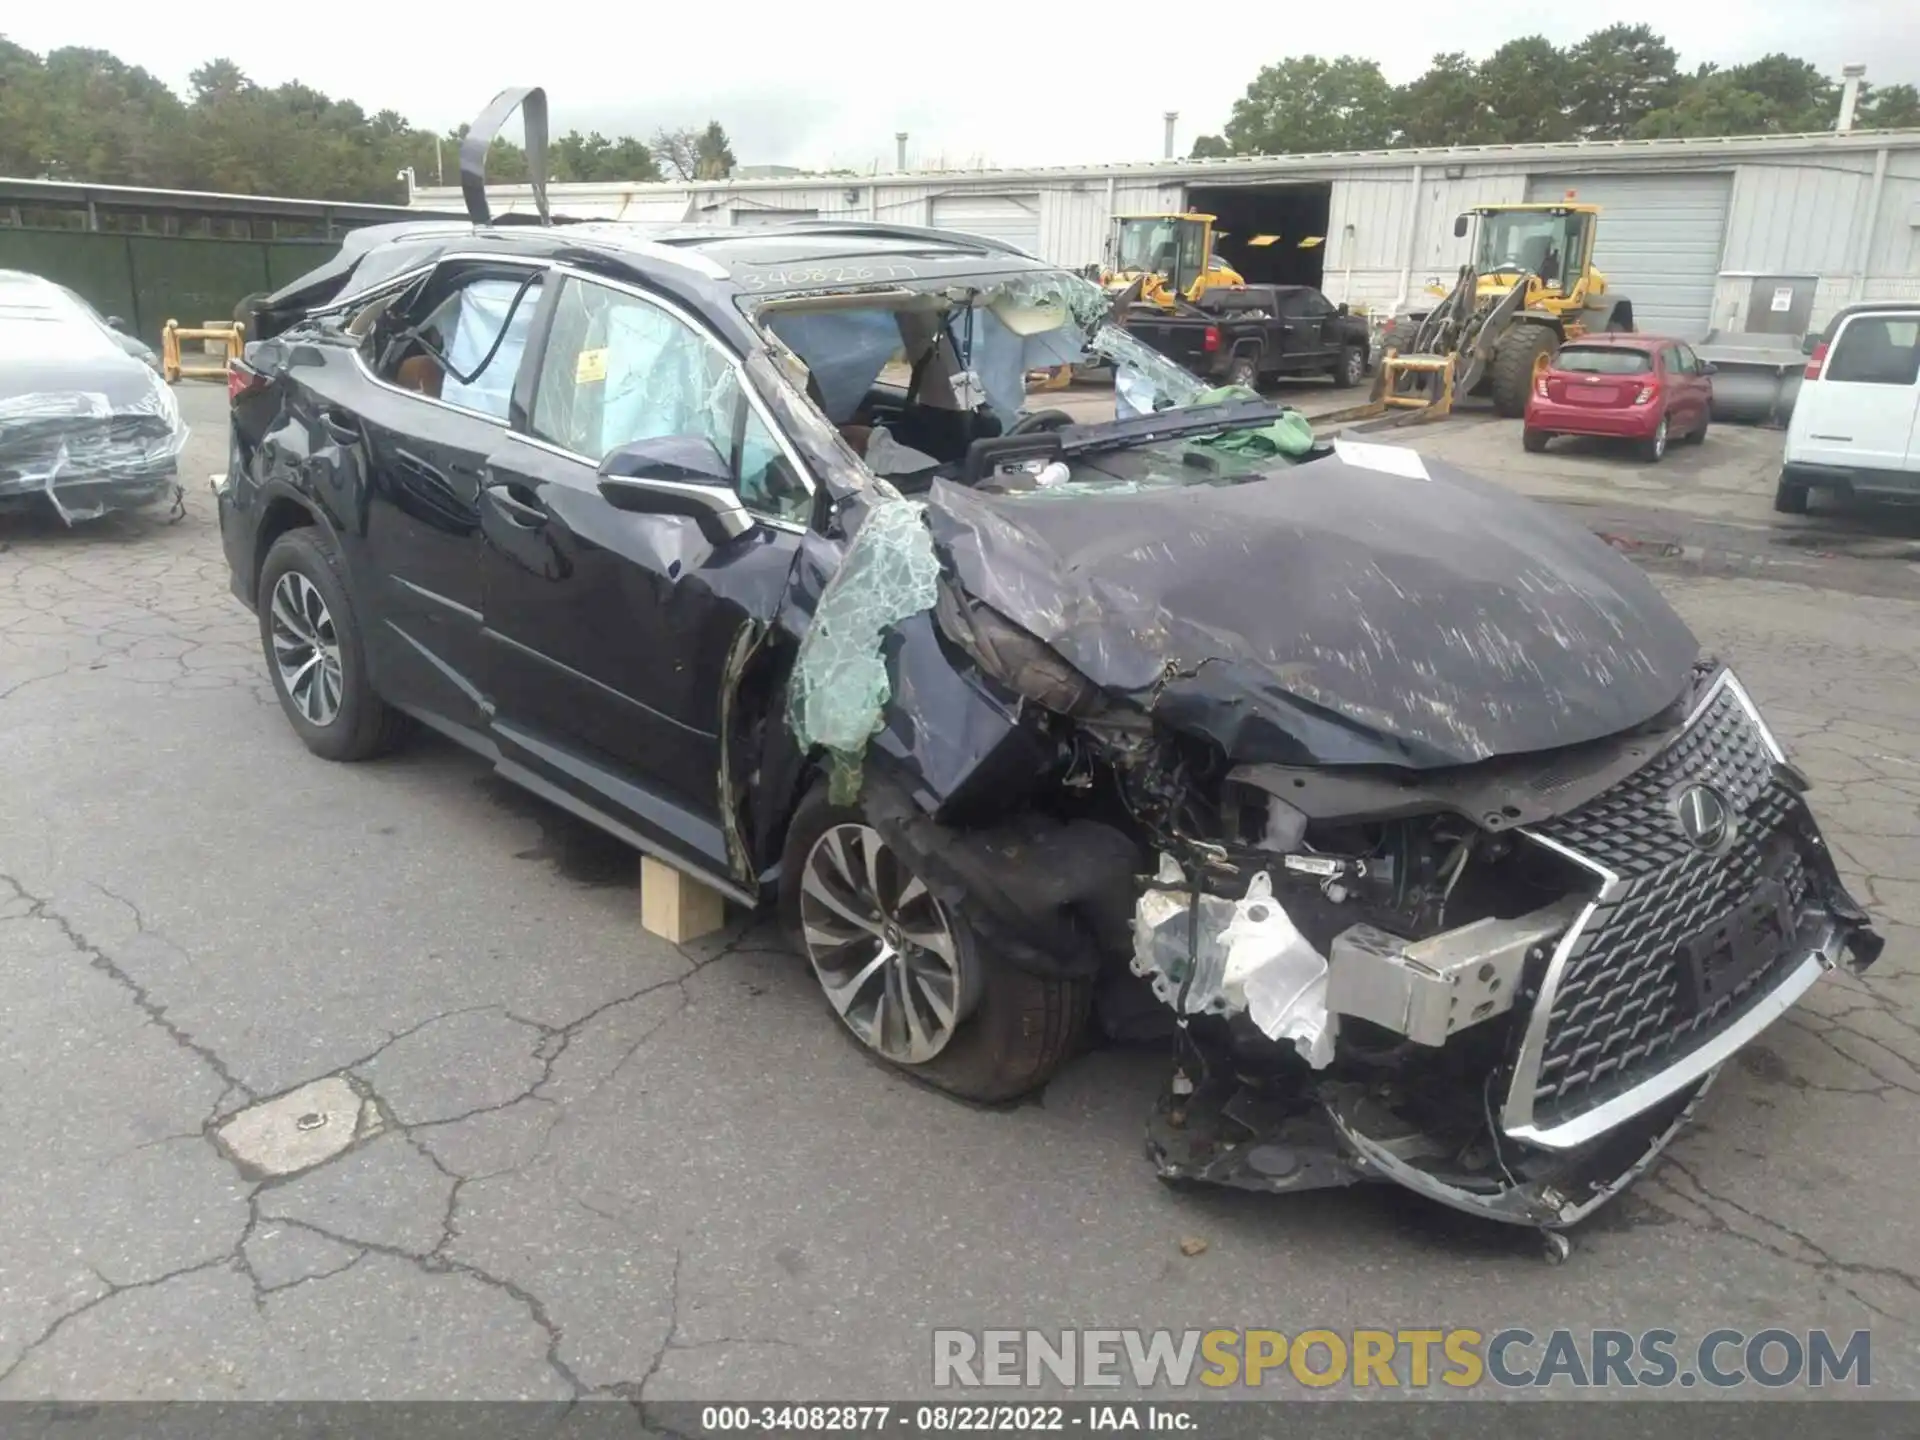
pixel 1387 459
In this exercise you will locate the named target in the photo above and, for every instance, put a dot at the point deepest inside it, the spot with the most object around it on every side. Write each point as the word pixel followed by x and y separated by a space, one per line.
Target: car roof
pixel 760 258
pixel 1635 341
pixel 1869 307
pixel 719 264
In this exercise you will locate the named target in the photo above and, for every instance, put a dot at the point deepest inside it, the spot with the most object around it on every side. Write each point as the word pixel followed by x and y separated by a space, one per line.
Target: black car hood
pixel 1330 613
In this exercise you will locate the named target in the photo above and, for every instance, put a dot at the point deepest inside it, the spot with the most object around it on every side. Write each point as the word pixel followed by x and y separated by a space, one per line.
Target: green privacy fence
pixel 151 279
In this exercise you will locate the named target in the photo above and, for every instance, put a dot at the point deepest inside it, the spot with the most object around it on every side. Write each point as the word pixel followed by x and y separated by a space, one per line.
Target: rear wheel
pixel 1243 370
pixel 1790 499
pixel 1524 353
pixel 1655 445
pixel 905 972
pixel 1534 441
pixel 1350 368
pixel 315 654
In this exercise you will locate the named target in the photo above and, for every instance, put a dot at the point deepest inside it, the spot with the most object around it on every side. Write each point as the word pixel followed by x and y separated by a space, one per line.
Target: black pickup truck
pixel 1241 335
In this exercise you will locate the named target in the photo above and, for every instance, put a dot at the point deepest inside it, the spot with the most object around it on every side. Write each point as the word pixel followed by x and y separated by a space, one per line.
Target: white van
pixel 1856 423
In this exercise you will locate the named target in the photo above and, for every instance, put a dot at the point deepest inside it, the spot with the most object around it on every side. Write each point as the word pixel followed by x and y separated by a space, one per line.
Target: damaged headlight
pixel 1020 661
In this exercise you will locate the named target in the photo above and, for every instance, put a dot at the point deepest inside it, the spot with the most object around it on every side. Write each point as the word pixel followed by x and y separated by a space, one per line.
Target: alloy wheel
pixel 1660 438
pixel 881 946
pixel 306 648
pixel 1350 367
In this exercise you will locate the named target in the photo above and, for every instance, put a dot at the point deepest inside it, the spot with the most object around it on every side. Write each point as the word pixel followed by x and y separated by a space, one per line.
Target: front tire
pixel 1790 499
pixel 310 634
pixel 1522 355
pixel 905 973
pixel 1350 367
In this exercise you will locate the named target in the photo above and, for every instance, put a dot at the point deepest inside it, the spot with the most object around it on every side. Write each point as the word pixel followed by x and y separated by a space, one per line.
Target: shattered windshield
pixel 919 358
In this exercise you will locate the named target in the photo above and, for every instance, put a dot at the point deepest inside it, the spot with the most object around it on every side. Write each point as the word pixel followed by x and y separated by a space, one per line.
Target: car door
pixel 1693 385
pixel 440 369
pixel 1302 329
pixel 1862 409
pixel 608 633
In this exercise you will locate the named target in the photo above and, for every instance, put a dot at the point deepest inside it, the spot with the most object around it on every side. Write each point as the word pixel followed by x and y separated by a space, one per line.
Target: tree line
pixel 85 115
pixel 1623 82
pixel 82 114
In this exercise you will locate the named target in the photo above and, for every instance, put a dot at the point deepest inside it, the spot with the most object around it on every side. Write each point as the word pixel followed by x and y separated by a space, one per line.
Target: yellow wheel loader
pixel 1171 255
pixel 1530 287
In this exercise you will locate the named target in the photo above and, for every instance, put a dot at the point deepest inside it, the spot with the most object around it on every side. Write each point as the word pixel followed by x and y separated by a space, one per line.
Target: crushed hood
pixel 1330 613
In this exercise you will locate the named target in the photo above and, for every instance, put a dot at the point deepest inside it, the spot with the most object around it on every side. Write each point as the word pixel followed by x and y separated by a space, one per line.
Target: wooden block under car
pixel 677 907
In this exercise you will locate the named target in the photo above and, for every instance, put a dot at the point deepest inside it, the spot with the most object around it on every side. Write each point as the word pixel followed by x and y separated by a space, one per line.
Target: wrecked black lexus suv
pixel 1406 810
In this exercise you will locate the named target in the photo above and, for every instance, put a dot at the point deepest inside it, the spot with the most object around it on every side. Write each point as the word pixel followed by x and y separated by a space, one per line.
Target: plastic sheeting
pixel 839 686
pixel 88 455
pixel 844 351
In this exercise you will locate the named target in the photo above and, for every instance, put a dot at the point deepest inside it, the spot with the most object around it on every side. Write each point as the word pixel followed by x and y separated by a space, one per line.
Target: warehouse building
pixel 1769 233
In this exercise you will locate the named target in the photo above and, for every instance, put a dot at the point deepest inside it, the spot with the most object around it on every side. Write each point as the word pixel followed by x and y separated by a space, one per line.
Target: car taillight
pixel 1646 395
pixel 1540 387
pixel 1210 341
pixel 242 379
pixel 1817 361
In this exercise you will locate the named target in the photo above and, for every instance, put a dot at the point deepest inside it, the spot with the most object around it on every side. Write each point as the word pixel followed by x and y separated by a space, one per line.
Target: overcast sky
pixel 828 82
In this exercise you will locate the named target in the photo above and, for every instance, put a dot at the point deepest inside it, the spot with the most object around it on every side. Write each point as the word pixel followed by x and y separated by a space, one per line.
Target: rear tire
pixel 1243 370
pixel 1790 499
pixel 310 632
pixel 1534 441
pixel 1655 445
pixel 1514 364
pixel 1351 367
pixel 1020 1027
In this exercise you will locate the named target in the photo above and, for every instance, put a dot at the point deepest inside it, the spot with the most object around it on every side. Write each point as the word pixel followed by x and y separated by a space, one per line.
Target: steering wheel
pixel 1041 420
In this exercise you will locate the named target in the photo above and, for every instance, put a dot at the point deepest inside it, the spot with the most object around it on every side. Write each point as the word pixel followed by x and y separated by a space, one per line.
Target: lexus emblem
pixel 1704 818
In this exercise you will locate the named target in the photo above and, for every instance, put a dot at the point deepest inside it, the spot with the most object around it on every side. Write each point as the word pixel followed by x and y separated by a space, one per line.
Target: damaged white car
pixel 1404 811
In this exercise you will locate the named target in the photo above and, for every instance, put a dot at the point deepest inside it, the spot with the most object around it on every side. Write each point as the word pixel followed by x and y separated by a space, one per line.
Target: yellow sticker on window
pixel 590 367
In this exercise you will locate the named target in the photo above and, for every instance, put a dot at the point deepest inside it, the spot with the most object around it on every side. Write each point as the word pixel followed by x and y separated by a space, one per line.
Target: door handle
pixel 339 425
pixel 519 503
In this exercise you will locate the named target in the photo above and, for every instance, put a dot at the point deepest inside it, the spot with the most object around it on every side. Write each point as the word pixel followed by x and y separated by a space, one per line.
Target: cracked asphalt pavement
pixel 589 1162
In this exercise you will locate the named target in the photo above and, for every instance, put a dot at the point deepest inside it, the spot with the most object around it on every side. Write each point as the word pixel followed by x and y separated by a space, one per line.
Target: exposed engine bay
pixel 1456 984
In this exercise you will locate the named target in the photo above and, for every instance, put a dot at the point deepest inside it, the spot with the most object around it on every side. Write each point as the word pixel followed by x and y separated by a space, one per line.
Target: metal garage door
pixel 1012 218
pixel 1659 241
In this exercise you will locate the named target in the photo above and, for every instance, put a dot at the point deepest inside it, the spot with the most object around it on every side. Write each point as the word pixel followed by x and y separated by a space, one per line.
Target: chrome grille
pixel 1629 999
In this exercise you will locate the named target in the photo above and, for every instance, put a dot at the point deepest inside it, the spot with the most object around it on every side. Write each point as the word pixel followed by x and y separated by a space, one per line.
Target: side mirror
pixel 114 322
pixel 676 475
pixel 1707 367
pixel 1459 227
pixel 1809 343
pixel 1341 309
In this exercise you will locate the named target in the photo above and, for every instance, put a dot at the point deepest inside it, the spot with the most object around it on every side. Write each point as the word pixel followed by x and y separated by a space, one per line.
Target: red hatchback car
pixel 1642 388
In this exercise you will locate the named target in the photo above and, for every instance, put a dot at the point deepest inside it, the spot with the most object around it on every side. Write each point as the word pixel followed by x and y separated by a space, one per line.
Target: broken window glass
pixel 839 687
pixel 618 369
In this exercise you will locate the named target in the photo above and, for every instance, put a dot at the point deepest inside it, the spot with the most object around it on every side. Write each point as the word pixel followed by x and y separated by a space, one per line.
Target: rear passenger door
pixel 439 369
pixel 1303 325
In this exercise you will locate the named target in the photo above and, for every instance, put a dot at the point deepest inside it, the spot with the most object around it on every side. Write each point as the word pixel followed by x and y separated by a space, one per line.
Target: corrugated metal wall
pixel 1793 219
pixel 1795 213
